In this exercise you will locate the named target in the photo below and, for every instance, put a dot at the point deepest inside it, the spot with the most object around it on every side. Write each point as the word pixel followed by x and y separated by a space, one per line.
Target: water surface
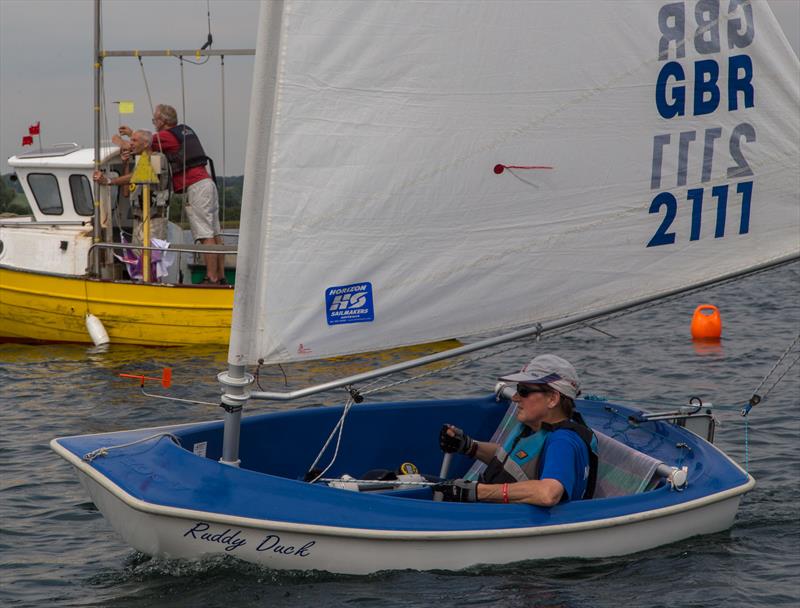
pixel 55 548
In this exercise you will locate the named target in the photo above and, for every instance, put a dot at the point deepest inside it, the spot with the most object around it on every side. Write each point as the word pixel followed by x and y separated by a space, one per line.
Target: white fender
pixel 97 332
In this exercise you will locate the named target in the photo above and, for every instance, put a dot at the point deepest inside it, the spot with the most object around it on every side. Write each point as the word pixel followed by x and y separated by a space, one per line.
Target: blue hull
pixel 278 448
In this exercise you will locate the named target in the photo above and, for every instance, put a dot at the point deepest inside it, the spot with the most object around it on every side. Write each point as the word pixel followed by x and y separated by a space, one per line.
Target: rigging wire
pixel 758 398
pixel 209 39
pixel 149 100
pixel 184 193
pixel 177 399
pixel 257 378
pixel 340 428
pixel 222 74
pixel 113 209
pixel 183 108
pixel 747 445
pixel 202 62
pixel 146 87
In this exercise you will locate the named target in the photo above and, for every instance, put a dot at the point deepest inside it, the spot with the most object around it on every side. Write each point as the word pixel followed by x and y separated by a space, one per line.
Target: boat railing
pixel 37 224
pixel 192 249
pixel 171 249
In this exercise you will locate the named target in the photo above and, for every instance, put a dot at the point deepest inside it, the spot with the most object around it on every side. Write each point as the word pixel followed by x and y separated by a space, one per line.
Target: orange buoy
pixel 706 323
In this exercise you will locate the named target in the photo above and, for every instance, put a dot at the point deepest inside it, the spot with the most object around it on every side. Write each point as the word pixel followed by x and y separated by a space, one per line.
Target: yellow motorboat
pixel 53 273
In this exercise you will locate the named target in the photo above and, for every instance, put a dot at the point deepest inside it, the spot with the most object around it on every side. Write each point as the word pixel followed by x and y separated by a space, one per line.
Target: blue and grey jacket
pixel 519 458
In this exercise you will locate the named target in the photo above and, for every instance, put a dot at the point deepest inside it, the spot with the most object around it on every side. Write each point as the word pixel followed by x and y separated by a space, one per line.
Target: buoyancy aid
pixel 518 459
pixel 191 148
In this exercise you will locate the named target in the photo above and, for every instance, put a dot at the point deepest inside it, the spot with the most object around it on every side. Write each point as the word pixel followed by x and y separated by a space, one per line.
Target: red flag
pixel 34 129
pixel 27 140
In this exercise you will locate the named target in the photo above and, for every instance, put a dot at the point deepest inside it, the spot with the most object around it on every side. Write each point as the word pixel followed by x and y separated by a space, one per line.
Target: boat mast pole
pixel 98 67
pixel 236 382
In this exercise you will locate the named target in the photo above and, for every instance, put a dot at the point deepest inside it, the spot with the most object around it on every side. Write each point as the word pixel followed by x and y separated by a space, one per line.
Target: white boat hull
pixel 176 533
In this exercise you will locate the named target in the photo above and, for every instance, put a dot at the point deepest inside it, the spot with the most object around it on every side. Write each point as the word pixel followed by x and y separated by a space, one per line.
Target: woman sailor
pixel 548 459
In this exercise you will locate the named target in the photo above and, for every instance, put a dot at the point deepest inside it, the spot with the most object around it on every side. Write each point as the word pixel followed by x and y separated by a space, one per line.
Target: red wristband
pixel 505 493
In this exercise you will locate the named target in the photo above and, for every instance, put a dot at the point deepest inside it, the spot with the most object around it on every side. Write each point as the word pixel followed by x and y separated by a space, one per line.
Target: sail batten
pixel 375 218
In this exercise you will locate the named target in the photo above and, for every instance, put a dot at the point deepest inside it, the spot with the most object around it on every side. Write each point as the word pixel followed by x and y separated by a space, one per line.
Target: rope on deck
pixel 90 456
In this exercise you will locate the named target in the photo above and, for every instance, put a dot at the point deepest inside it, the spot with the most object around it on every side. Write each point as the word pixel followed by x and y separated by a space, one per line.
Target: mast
pixel 235 382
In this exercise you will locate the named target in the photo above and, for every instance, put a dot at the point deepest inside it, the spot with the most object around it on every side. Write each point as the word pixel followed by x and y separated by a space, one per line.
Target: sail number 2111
pixel 663 236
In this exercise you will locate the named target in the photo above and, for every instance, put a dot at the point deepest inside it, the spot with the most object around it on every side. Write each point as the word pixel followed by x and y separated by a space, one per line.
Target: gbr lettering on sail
pixel 714 80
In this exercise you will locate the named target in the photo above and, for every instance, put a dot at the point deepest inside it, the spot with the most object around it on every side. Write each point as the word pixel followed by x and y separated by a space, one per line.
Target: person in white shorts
pixel 188 162
pixel 202 209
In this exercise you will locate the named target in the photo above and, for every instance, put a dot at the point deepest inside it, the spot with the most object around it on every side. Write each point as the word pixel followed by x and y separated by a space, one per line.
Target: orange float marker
pixel 165 379
pixel 706 323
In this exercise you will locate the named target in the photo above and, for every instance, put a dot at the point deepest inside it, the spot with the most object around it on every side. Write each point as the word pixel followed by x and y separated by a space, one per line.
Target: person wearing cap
pixel 549 459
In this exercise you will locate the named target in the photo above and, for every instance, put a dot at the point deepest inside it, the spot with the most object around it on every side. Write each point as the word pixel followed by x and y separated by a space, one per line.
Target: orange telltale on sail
pixel 706 323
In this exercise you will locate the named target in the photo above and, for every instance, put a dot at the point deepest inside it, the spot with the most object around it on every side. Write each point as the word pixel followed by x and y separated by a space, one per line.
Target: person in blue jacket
pixel 550 458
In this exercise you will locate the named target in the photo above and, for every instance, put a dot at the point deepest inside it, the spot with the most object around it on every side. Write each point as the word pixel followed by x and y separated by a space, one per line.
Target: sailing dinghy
pixel 429 170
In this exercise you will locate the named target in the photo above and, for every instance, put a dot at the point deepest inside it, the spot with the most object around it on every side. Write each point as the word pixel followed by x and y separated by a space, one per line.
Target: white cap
pixel 551 370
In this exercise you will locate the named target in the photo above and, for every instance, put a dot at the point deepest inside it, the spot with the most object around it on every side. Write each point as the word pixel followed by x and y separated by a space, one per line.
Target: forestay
pixel 373 215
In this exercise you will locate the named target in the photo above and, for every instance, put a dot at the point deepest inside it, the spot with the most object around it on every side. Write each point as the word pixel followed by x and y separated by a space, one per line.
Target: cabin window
pixel 46 193
pixel 81 194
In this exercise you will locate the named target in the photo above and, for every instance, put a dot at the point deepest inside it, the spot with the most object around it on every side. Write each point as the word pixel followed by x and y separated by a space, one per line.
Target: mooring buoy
pixel 706 323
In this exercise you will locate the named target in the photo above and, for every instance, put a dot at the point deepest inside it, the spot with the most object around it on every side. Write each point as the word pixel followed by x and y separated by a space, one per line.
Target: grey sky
pixel 46 67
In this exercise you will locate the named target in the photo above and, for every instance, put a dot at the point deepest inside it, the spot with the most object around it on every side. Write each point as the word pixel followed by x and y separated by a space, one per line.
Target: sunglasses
pixel 526 391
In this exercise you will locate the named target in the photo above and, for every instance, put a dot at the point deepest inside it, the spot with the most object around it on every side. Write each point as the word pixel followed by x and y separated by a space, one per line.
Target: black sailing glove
pixel 461 442
pixel 458 490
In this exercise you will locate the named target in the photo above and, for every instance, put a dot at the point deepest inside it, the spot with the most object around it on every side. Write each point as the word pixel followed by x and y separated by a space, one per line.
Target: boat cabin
pixel 57 237
pixel 58 181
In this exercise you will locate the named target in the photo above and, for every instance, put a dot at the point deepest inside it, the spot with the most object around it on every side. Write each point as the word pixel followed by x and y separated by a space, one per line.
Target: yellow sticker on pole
pixel 126 107
pixel 143 172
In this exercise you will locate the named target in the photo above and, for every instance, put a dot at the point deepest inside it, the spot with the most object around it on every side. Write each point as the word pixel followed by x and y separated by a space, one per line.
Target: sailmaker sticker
pixel 349 303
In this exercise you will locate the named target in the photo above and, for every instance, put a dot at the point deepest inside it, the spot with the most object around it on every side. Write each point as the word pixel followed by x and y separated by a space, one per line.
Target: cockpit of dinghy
pixel 375 436
pixel 383 436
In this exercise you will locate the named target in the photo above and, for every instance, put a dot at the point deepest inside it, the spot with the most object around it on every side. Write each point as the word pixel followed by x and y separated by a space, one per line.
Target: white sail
pixel 373 215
